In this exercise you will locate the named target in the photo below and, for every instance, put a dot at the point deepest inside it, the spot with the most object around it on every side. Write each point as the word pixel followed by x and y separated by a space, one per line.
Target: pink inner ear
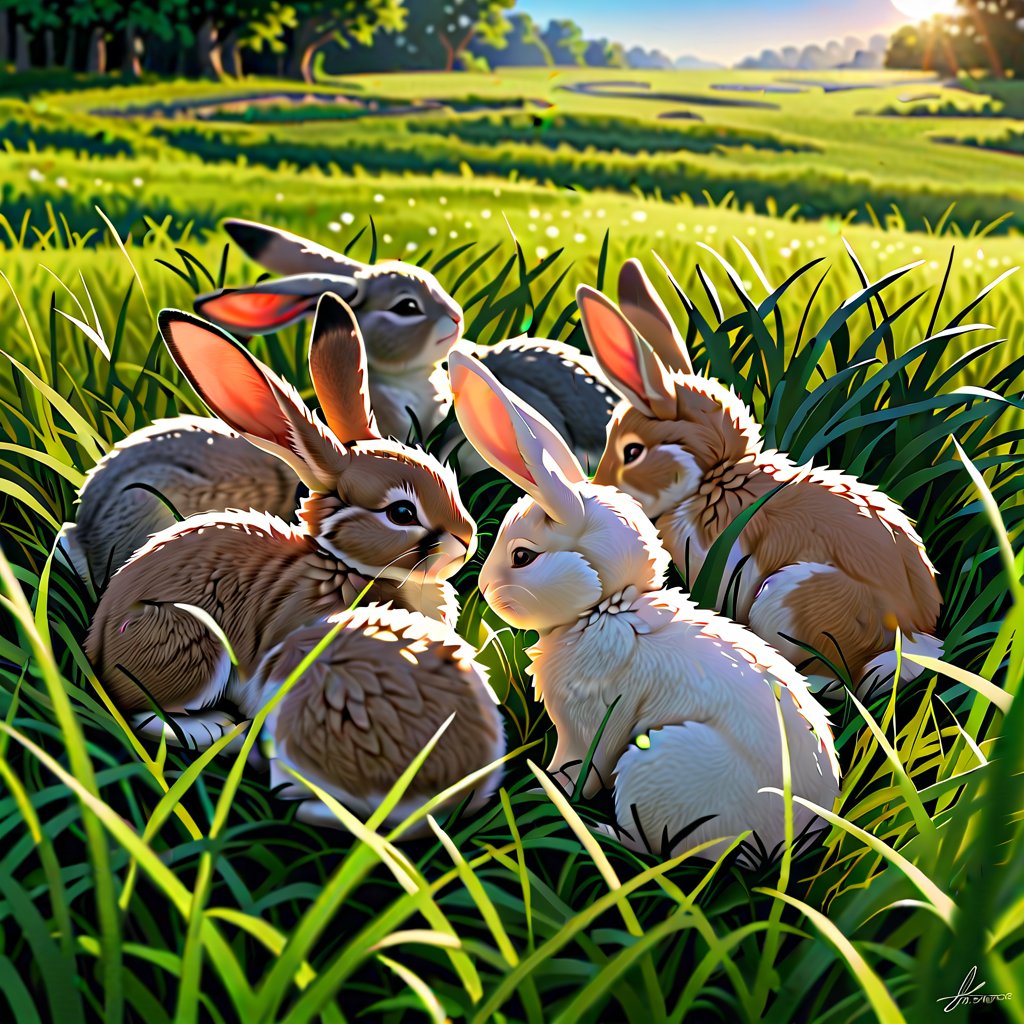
pixel 485 417
pixel 614 345
pixel 255 311
pixel 228 381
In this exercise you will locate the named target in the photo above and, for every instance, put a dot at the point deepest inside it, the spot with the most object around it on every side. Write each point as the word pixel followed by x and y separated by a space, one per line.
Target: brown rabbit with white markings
pixel 828 562
pixel 380 515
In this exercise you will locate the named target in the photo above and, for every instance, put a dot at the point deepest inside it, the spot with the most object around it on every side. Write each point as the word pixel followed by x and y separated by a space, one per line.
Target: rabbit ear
pixel 272 305
pixel 284 253
pixel 627 360
pixel 249 398
pixel 337 364
pixel 516 440
pixel 642 306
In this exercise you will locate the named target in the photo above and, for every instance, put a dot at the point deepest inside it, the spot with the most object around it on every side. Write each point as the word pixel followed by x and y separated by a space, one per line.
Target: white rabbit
pixel 829 562
pixel 380 514
pixel 695 735
pixel 368 704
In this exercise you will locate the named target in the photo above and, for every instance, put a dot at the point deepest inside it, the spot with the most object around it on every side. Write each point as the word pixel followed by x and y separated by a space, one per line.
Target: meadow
pixel 883 339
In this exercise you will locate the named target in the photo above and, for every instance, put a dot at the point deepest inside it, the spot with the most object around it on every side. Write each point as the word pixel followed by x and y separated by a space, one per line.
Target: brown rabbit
pixel 188 464
pixel 369 703
pixel 378 512
pixel 828 562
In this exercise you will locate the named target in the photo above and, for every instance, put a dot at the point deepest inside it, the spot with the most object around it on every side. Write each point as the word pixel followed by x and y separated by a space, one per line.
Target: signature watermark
pixel 971 994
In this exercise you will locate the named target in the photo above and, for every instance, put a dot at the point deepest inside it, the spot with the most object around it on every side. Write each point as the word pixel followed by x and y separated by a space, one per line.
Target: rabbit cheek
pixel 667 475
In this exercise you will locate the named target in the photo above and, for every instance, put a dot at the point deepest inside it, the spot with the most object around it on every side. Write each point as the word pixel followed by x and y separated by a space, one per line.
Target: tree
pixel 28 20
pixel 438 32
pixel 564 40
pixel 344 22
pixel 995 29
pixel 521 47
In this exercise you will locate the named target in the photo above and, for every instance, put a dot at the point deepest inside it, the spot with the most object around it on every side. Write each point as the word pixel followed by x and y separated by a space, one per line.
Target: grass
pixel 143 884
pixel 173 889
pixel 818 154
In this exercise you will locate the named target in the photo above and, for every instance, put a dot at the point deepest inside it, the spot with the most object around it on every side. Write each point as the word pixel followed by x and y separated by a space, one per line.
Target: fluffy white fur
pixel 703 690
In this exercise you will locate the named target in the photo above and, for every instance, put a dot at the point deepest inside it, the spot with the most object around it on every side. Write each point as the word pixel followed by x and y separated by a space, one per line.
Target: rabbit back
pixel 371 701
pixel 197 464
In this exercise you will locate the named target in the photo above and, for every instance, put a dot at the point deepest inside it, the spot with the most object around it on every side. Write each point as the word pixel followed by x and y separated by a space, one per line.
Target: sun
pixel 920 10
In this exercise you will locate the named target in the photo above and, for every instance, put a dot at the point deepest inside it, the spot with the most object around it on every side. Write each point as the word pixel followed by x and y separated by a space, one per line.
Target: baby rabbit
pixel 407 320
pixel 379 514
pixel 410 323
pixel 695 734
pixel 827 562
pixel 194 464
pixel 369 703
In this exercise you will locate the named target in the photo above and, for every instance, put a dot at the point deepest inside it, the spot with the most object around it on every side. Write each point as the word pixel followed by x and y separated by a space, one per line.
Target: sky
pixel 721 30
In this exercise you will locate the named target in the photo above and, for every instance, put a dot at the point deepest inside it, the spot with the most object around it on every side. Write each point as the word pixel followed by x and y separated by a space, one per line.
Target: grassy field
pixel 171 888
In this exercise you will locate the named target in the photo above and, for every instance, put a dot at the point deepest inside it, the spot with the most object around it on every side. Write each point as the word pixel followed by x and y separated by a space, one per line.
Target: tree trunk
pixel 208 50
pixel 70 48
pixel 96 62
pixel 5 36
pixel 50 47
pixel 22 55
pixel 231 55
pixel 452 53
pixel 308 40
pixel 132 65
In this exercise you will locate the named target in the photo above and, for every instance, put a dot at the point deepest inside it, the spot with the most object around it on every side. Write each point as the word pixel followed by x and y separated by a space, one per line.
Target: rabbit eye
pixel 406 307
pixel 632 452
pixel 522 557
pixel 402 513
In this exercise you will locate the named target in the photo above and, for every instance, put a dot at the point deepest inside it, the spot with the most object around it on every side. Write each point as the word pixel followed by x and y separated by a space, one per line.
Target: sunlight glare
pixel 920 10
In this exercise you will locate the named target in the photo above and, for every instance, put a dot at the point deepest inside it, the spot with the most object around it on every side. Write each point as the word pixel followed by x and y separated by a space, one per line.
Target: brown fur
pixel 822 516
pixel 374 698
pixel 197 465
pixel 259 579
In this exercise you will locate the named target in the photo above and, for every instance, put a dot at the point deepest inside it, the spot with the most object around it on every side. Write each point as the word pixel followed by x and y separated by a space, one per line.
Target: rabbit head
pixel 675 426
pixel 568 545
pixel 384 508
pixel 406 318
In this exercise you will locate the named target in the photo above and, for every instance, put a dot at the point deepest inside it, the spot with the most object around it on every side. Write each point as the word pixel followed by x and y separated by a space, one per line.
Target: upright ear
pixel 642 306
pixel 337 364
pixel 515 439
pixel 249 398
pixel 284 253
pixel 272 305
pixel 626 359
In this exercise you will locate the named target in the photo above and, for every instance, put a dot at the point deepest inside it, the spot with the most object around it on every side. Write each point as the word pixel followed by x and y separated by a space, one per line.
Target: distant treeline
pixel 219 38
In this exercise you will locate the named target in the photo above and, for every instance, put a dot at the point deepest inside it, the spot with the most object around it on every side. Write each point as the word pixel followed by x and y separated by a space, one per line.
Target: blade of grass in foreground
pixel 81 765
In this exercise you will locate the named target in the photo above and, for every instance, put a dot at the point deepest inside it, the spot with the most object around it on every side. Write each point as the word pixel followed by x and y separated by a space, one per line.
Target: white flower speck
pixel 333 225
pixel 138 182
pixel 279 197
pixel 347 218
pixel 36 175
pixel 551 232
pixel 541 252
pixel 579 237
pixel 411 246
pixel 453 234
pixel 639 216
pixel 412 201
pixel 61 182
pixel 388 239
pixel 443 200
pixel 379 198
pixel 431 231
pixel 485 214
